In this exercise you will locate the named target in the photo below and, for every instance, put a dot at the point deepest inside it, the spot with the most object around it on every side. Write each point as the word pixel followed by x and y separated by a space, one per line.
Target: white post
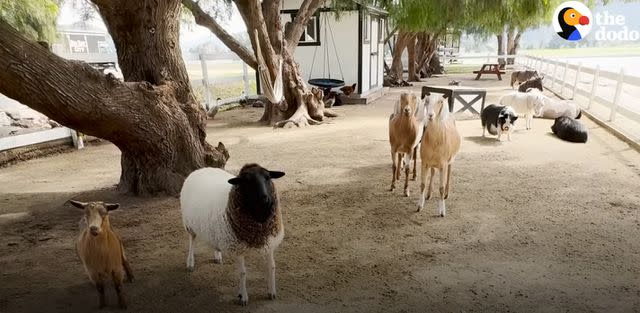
pixel 245 78
pixel 575 82
pixel 77 139
pixel 564 77
pixel 205 82
pixel 616 98
pixel 555 67
pixel 594 86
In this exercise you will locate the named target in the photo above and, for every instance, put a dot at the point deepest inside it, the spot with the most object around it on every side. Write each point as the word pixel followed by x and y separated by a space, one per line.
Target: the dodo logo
pixel 572 20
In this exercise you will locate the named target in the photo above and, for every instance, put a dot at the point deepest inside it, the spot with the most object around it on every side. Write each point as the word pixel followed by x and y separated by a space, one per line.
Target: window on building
pixel 311 33
pixel 381 30
pixel 366 28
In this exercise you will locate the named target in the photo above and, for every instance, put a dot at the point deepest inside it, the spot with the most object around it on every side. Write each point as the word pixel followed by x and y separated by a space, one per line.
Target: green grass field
pixel 227 90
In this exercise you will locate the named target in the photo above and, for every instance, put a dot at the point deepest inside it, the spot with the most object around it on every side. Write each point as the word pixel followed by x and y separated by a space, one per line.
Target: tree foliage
pixel 33 18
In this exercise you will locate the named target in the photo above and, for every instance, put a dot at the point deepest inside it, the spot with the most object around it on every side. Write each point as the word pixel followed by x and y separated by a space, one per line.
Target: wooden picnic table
pixel 489 68
pixel 456 92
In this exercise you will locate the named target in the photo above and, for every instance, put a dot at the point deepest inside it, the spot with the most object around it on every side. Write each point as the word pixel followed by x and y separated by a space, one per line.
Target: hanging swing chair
pixel 326 82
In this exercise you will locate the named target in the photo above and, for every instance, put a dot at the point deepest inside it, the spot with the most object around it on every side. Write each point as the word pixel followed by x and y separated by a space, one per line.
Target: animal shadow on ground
pixel 489 141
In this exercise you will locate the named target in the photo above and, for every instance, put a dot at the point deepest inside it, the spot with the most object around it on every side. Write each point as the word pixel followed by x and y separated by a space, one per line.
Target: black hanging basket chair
pixel 326 82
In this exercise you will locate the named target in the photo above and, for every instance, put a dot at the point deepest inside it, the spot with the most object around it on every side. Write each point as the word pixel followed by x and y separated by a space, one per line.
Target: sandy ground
pixel 533 225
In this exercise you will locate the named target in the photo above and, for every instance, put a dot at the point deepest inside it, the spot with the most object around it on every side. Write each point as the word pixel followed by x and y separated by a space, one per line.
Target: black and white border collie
pixel 498 119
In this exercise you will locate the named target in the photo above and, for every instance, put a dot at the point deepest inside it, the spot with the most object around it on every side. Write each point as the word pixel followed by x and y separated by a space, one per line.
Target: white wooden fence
pixel 612 97
pixel 12 142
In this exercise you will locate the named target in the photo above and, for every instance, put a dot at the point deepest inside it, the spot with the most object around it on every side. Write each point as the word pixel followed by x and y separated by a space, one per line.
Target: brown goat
pixel 100 249
pixel 405 131
pixel 440 144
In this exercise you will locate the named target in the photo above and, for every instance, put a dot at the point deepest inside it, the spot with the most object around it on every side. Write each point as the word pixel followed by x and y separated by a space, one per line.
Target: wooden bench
pixel 490 68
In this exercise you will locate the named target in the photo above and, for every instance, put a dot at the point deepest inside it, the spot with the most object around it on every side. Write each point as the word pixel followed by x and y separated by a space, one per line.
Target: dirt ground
pixel 533 225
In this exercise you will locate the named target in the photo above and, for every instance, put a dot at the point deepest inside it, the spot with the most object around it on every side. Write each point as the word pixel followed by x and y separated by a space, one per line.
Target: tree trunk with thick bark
pixel 302 105
pixel 501 51
pixel 515 44
pixel 397 68
pixel 412 46
pixel 152 117
pixel 430 47
pixel 510 43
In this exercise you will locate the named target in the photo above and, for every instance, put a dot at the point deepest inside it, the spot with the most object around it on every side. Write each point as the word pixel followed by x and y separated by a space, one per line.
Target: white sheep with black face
pixel 234 214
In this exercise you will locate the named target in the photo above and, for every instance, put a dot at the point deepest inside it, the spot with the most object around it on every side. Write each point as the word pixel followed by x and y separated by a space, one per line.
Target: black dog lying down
pixel 569 129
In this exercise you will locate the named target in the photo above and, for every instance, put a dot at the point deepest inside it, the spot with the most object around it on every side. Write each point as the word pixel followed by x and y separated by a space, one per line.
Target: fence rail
pixel 17 141
pixel 621 79
pixel 614 101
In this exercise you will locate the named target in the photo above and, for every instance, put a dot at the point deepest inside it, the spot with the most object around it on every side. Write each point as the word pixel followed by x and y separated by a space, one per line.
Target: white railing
pixel 569 80
pixel 17 141
pixel 557 81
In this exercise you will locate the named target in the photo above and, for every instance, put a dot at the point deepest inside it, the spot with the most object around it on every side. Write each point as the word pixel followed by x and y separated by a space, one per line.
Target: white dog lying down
pixel 527 104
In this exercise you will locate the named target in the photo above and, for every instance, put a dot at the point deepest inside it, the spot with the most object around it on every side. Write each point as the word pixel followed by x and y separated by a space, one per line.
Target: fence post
pixel 594 86
pixel 555 67
pixel 245 79
pixel 616 98
pixel 564 77
pixel 205 82
pixel 575 82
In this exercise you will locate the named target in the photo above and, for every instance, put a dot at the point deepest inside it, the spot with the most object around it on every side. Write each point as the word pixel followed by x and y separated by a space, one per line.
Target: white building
pixel 358 35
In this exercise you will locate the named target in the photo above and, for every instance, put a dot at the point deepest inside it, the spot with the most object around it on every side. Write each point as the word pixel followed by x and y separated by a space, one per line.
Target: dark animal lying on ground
pixel 535 82
pixel 569 129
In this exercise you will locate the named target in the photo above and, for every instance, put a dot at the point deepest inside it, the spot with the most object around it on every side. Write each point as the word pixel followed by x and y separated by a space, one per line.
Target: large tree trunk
pixel 397 68
pixel 152 118
pixel 515 44
pixel 430 49
pixel 510 43
pixel 302 105
pixel 500 38
pixel 411 58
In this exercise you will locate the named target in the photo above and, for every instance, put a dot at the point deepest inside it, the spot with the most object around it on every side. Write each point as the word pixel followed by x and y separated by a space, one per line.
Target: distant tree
pixel 152 117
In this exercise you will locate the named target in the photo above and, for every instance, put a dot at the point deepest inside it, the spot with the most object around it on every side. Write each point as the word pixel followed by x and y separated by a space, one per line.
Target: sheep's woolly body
pixel 206 209
pixel 555 109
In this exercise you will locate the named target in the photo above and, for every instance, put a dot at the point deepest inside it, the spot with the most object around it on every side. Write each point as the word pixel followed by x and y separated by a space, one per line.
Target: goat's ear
pixel 78 204
pixel 425 95
pixel 275 174
pixel 111 206
pixel 235 181
pixel 354 86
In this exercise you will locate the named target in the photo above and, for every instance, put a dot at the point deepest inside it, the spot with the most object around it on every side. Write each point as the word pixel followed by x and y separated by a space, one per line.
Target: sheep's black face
pixel 257 191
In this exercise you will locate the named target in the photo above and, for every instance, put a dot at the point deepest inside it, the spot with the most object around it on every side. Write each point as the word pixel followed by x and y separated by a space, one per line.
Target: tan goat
pixel 100 249
pixel 405 131
pixel 440 144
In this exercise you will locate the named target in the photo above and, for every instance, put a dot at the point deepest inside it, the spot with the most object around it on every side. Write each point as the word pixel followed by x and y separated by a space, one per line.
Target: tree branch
pixel 307 9
pixel 205 20
pixel 71 92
